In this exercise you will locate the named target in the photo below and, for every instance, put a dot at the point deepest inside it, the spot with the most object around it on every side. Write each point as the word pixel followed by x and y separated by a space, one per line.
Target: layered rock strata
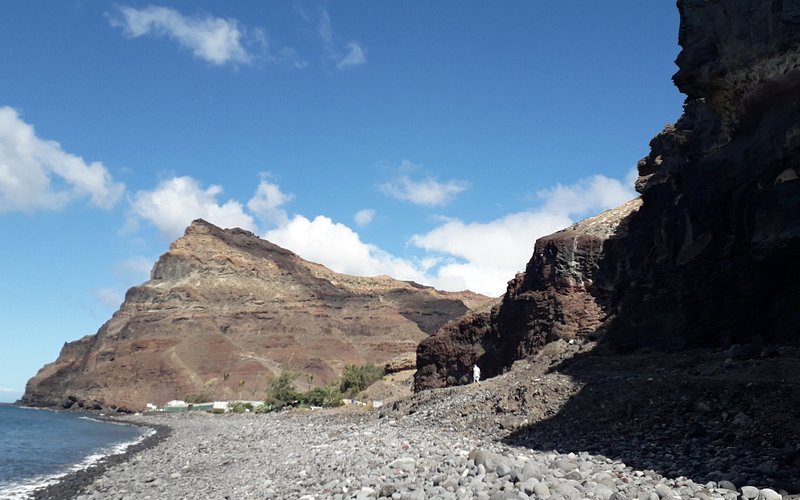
pixel 223 311
pixel 555 298
pixel 710 258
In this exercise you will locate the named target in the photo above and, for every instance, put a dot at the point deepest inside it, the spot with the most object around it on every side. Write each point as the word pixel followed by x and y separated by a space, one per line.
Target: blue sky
pixel 432 141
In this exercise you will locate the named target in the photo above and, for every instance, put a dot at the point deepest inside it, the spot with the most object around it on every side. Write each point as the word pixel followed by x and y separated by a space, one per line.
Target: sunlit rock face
pixel 224 310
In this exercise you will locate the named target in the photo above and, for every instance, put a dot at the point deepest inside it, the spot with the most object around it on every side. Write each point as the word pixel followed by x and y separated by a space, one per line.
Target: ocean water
pixel 37 447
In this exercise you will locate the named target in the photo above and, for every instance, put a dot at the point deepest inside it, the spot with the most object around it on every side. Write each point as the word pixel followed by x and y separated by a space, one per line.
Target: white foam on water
pixel 24 489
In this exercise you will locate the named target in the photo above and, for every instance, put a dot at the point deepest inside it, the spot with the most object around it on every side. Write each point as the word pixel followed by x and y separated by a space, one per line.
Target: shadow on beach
pixel 690 414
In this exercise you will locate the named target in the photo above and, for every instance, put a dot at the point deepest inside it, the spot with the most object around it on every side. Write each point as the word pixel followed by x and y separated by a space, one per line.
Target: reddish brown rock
pixel 224 310
pixel 555 298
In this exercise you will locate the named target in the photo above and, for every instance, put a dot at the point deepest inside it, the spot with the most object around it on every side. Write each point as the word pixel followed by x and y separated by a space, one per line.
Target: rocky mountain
pixel 556 297
pixel 224 310
pixel 710 256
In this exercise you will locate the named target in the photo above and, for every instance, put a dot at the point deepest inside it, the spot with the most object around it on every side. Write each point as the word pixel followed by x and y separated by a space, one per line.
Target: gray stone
pixel 387 490
pixel 503 469
pixel 769 494
pixel 529 485
pixel 663 491
pixel 404 463
pixel 541 489
pixel 749 492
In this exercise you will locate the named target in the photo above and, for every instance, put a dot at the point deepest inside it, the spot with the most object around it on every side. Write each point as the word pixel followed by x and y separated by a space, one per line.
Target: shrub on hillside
pixel 356 378
pixel 327 396
pixel 281 391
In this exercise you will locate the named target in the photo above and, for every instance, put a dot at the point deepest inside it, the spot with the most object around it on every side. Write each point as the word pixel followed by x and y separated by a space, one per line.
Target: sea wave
pixel 24 489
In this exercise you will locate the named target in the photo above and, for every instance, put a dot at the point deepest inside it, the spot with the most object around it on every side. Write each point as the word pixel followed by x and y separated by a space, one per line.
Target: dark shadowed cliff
pixel 710 257
pixel 224 310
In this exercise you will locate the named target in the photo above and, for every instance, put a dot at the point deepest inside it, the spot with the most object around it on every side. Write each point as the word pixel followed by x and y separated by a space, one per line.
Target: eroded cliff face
pixel 557 297
pixel 711 256
pixel 224 310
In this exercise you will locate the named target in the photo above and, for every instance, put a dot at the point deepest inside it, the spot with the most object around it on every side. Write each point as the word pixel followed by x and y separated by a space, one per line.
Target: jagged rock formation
pixel 710 258
pixel 556 297
pixel 224 310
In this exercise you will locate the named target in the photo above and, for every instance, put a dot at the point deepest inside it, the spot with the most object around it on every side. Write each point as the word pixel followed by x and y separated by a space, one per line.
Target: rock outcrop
pixel 223 311
pixel 710 257
pixel 555 298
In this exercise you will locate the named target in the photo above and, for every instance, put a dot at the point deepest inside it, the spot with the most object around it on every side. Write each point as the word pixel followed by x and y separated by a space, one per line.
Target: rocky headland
pixel 707 256
pixel 223 311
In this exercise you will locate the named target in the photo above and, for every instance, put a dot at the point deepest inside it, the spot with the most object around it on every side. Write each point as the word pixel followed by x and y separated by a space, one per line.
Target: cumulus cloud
pixel 457 255
pixel 364 217
pixel 483 256
pixel 267 203
pixel 340 248
pixel 176 202
pixel 37 174
pixel 212 39
pixel 428 192
pixel 354 53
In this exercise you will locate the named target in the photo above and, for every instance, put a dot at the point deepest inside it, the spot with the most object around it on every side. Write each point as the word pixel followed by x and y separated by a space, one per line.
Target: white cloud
pixel 213 39
pixel 339 248
pixel 458 255
pixel 429 191
pixel 176 202
pixel 484 256
pixel 355 53
pixel 585 195
pixel 364 217
pixel 37 174
pixel 7 390
pixel 267 203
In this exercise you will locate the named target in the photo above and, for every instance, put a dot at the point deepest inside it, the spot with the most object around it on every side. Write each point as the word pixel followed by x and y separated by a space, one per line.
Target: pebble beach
pixel 531 433
pixel 335 454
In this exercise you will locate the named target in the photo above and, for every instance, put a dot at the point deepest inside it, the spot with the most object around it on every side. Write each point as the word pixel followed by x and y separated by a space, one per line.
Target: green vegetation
pixel 281 391
pixel 198 398
pixel 240 407
pixel 356 378
pixel 326 396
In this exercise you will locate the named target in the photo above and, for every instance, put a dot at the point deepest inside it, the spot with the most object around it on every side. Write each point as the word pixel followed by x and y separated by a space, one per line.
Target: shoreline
pixel 74 483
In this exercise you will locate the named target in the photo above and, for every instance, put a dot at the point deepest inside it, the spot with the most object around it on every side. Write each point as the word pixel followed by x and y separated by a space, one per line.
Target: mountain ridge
pixel 223 311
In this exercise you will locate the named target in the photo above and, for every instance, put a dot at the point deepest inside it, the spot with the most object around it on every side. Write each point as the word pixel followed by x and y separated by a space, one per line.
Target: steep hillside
pixel 709 258
pixel 224 310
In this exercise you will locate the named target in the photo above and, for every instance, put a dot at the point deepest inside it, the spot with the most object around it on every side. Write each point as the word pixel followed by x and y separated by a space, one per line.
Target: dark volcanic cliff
pixel 556 297
pixel 710 258
pixel 224 310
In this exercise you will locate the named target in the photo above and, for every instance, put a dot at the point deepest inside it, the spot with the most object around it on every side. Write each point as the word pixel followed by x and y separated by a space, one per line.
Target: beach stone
pixel 541 489
pixel 529 485
pixel 769 494
pixel 404 463
pixel 750 492
pixel 387 490
pixel 490 460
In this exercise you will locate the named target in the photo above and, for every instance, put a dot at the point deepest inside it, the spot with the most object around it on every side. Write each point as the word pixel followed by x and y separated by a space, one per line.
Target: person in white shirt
pixel 476 374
